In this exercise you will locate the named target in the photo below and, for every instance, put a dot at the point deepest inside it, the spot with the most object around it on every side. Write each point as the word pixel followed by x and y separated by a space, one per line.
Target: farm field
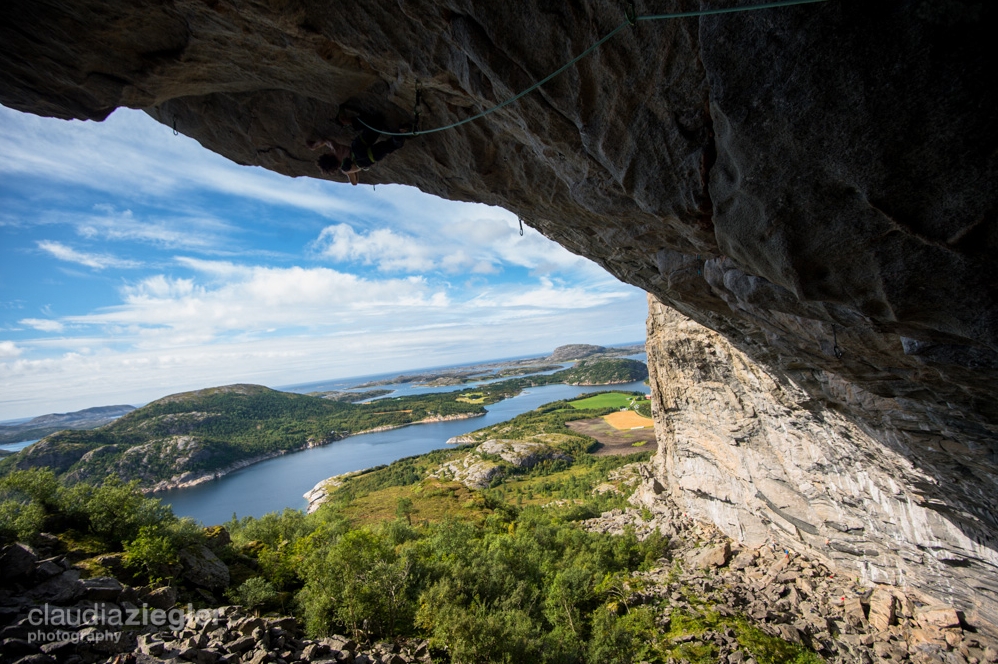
pixel 628 419
pixel 605 400
pixel 613 442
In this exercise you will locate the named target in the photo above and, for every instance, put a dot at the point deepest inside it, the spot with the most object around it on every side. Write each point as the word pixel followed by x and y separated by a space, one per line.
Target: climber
pixel 364 151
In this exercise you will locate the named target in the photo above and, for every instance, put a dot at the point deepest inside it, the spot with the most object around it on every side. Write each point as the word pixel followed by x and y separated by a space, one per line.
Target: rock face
pixel 478 468
pixel 816 183
pixel 751 451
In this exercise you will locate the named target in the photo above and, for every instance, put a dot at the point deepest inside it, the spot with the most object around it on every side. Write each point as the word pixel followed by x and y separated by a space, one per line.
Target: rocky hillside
pixel 815 183
pixel 187 438
pixel 573 352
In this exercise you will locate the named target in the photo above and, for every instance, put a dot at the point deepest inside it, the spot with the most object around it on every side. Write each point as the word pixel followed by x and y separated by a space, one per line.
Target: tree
pixel 404 508
pixel 254 593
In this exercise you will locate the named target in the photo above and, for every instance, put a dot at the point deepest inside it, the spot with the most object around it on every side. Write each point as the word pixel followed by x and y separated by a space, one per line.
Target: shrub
pixel 254 593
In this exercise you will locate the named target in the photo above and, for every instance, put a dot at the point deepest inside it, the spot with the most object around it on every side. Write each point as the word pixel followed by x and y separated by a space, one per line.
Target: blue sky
pixel 134 264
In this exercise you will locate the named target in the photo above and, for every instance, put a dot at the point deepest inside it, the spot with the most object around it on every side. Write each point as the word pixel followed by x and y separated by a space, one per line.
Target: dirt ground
pixel 614 441
pixel 628 419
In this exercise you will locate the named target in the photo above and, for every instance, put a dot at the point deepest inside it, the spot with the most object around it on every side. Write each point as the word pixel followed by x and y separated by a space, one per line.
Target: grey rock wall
pixel 753 453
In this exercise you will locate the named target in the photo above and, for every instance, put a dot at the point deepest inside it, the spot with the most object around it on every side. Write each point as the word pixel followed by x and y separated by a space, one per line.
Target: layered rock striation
pixel 751 451
pixel 815 183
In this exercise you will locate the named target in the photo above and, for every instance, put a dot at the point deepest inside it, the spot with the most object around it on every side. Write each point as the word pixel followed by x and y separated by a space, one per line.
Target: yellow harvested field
pixel 628 419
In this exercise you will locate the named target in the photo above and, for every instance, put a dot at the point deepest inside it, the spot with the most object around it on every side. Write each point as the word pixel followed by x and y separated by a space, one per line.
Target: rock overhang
pixel 816 183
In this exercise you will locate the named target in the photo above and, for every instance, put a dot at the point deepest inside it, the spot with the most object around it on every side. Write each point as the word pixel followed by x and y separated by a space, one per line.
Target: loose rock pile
pixel 49 614
pixel 790 596
pixel 232 637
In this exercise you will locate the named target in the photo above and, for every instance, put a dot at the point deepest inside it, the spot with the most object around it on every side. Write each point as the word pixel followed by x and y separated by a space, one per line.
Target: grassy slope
pixel 605 400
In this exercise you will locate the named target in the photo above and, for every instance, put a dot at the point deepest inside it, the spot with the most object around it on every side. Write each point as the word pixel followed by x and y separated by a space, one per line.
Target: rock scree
pixel 814 183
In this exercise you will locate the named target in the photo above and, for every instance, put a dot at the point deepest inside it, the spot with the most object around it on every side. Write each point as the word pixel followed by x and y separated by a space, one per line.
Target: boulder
pixel 61 589
pixel 151 644
pixel 203 568
pixel 937 615
pixel 101 589
pixel 883 608
pixel 218 537
pixel 16 648
pixel 161 598
pixel 854 614
pixel 17 561
pixel 242 644
pixel 711 556
pixel 46 569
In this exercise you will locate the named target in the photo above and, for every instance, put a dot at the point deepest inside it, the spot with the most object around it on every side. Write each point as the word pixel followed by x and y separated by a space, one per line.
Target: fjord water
pixel 278 483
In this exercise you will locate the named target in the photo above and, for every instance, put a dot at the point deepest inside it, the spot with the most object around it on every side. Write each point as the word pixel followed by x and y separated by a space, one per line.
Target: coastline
pixel 191 479
pixel 318 494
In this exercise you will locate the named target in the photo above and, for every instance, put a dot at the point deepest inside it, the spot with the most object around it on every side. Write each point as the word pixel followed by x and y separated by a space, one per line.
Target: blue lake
pixel 278 483
pixel 17 447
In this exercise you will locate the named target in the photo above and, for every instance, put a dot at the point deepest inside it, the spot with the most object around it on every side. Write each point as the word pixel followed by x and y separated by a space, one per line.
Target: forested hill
pixel 603 372
pixel 184 436
pixel 195 436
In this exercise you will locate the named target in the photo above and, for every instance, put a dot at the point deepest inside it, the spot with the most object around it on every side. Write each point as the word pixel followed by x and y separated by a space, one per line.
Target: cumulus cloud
pixel 255 300
pixel 453 245
pixel 9 349
pixel 385 248
pixel 95 261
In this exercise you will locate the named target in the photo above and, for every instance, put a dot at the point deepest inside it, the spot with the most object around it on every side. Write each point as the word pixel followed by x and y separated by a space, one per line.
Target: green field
pixel 605 400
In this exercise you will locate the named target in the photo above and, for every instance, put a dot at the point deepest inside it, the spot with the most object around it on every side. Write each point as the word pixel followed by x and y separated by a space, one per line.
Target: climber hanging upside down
pixel 363 153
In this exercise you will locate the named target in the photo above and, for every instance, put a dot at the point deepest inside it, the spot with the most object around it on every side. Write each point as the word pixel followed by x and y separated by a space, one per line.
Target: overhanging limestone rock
pixel 815 183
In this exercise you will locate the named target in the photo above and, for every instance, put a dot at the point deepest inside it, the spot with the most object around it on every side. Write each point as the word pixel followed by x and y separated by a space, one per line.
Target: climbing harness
pixel 632 19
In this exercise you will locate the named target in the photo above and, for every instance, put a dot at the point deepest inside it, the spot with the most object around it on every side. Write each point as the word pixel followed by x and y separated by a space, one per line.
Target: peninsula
pixel 193 437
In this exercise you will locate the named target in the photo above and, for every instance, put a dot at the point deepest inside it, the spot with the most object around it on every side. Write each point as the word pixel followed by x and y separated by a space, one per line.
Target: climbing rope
pixel 632 19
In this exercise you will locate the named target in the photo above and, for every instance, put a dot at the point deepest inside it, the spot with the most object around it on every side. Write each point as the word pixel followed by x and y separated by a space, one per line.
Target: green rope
pixel 631 20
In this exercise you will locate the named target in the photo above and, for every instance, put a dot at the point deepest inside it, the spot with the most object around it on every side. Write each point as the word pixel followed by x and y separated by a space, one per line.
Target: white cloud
pixel 43 324
pixel 130 154
pixel 396 341
pixel 179 231
pixel 404 280
pixel 95 261
pixel 382 247
pixel 9 349
pixel 454 243
pixel 251 301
